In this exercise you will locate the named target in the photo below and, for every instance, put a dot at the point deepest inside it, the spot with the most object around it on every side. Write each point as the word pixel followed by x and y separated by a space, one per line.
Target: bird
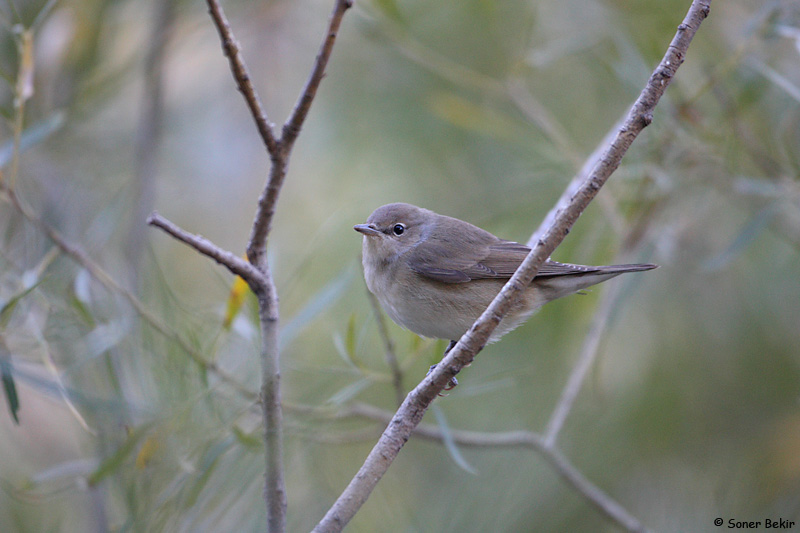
pixel 435 275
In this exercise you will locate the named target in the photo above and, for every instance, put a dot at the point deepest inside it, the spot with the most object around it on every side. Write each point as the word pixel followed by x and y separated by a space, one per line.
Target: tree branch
pixel 257 272
pixel 235 264
pixel 292 127
pixel 388 347
pixel 591 344
pixel 524 439
pixel 418 400
pixel 242 76
pixel 105 279
pixel 262 223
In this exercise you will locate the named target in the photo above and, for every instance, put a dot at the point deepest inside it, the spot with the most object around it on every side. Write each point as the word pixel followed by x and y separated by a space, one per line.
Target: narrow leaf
pixel 8 307
pixel 748 234
pixel 31 137
pixel 9 387
pixel 349 392
pixel 450 443
pixel 318 303
pixel 115 460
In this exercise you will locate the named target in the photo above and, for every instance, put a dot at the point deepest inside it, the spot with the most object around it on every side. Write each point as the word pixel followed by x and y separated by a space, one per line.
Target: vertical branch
pixel 272 412
pixel 279 150
pixel 388 346
pixel 148 134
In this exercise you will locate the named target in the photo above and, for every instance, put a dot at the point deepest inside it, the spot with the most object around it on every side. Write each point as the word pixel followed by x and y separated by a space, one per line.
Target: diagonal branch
pixel 262 223
pixel 292 127
pixel 519 439
pixel 235 264
pixel 242 76
pixel 106 280
pixel 418 400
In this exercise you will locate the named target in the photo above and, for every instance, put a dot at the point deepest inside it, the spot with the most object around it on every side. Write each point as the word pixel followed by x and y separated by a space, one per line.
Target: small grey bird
pixel 435 274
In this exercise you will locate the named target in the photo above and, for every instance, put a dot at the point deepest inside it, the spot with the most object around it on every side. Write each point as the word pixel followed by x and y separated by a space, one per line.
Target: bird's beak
pixel 367 229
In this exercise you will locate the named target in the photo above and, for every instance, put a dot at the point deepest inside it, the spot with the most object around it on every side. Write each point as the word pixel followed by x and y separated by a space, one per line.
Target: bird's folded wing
pixel 451 262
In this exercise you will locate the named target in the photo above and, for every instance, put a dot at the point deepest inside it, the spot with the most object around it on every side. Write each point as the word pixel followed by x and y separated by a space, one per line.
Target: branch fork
pixel 256 272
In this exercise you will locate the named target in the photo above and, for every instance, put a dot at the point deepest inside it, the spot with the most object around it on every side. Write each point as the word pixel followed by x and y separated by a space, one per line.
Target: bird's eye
pixel 398 229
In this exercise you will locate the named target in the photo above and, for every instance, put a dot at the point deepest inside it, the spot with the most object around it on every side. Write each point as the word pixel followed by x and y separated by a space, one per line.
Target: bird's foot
pixel 450 384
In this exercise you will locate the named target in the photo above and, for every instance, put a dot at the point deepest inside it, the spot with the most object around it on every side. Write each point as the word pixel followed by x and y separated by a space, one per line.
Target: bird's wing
pixel 454 261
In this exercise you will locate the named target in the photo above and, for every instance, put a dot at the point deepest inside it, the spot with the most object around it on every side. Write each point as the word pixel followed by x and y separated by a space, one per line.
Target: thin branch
pixel 588 354
pixel 591 345
pixel 518 439
pixel 242 76
pixel 418 400
pixel 105 279
pixel 262 223
pixel 577 181
pixel 388 346
pixel 149 134
pixel 231 261
pixel 292 127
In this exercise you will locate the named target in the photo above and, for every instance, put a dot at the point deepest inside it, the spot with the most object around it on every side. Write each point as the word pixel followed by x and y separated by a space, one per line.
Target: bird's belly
pixel 447 311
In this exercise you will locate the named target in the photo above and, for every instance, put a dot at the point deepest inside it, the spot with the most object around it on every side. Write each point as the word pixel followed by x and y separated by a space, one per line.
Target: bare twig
pixel 418 400
pixel 591 345
pixel 241 75
pixel 292 127
pixel 105 279
pixel 235 264
pixel 388 346
pixel 589 351
pixel 262 224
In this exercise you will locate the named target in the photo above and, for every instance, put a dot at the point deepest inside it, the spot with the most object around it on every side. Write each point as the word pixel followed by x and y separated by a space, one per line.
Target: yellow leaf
pixel 146 452
pixel 239 290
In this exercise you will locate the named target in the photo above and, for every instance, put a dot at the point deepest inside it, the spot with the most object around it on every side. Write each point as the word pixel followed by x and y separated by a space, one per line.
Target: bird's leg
pixel 453 381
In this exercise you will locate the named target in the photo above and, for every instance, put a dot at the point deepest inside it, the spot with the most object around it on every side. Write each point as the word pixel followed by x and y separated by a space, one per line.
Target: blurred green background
pixel 478 109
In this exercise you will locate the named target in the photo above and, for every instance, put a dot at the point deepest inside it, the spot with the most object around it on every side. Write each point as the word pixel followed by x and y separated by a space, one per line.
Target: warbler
pixel 435 274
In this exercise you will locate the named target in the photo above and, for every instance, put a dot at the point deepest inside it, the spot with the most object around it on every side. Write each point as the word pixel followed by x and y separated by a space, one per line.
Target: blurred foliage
pixel 477 109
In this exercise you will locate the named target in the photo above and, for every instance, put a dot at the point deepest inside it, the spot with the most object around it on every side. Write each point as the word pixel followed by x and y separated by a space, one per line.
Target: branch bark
pixel 241 75
pixel 418 400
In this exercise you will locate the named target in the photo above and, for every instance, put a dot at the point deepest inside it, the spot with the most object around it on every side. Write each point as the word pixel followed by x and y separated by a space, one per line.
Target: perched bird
pixel 435 274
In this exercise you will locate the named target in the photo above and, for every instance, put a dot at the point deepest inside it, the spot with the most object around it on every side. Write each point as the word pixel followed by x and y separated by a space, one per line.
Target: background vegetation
pixel 476 109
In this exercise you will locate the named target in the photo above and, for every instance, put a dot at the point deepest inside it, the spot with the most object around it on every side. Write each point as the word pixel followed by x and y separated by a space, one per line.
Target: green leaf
pixel 349 392
pixel 350 337
pixel 208 463
pixel 748 234
pixel 318 303
pixel 31 137
pixel 249 440
pixel 115 460
pixel 389 9
pixel 9 387
pixel 477 118
pixel 346 347
pixel 449 441
pixel 8 307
